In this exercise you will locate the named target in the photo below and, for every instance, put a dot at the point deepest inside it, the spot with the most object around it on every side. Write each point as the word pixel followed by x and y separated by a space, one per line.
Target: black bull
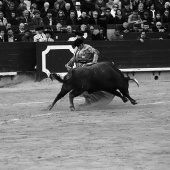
pixel 102 76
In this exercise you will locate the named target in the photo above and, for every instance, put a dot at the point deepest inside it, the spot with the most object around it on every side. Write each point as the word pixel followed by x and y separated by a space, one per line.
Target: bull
pixel 103 76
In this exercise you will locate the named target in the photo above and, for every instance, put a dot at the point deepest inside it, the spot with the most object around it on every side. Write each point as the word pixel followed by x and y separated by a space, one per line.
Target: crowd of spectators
pixel 129 15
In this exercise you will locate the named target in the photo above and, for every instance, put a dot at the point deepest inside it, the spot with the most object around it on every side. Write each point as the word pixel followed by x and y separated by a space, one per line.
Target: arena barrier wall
pixel 134 55
pixel 17 57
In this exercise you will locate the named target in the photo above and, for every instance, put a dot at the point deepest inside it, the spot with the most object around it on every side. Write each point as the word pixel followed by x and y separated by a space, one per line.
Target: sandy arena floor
pixel 119 136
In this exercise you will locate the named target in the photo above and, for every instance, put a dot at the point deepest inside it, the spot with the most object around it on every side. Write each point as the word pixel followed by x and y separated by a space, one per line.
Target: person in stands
pixel 143 37
pixel 2 35
pixel 27 36
pixel 10 37
pixel 116 35
pixel 48 35
pixel 79 35
pixel 40 36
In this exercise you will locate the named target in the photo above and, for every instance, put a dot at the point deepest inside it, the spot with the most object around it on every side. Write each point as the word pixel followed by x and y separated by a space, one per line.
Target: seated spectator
pixel 135 28
pixel 57 29
pixel 26 37
pixel 61 18
pixel 101 35
pixel 73 4
pixel 87 5
pixel 69 29
pixel 147 4
pixel 60 3
pixel 141 10
pixel 119 3
pixel 2 8
pixel 67 9
pixel 84 30
pixel 37 19
pixel 114 9
pixel 72 20
pixel 145 27
pixel 8 26
pixel 12 19
pixel 92 35
pixel 25 18
pixel 2 35
pixel 135 4
pixel 99 4
pixel 3 20
pixel 126 11
pixel 159 6
pixel 40 36
pixel 158 18
pixel 126 2
pixel 55 10
pixel 110 4
pixel 134 18
pixel 90 14
pixel 152 13
pixel 167 6
pixel 22 7
pixel 10 37
pixel 20 29
pixel 49 19
pixel 102 12
pixel 78 34
pixel 166 17
pixel 48 35
pixel 125 28
pixel 103 18
pixel 95 19
pixel 143 37
pixel 116 35
pixel 11 8
pixel 78 9
pixel 32 8
pixel 109 17
pixel 158 27
pixel 22 3
pixel 147 18
pixel 83 19
pixel 40 3
pixel 119 19
pixel 44 10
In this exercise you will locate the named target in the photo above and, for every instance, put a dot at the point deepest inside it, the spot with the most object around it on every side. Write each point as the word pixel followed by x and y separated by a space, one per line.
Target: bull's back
pixel 103 74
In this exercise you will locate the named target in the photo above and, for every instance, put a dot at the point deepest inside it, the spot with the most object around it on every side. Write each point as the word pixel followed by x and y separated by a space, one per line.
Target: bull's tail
pixel 56 77
pixel 128 78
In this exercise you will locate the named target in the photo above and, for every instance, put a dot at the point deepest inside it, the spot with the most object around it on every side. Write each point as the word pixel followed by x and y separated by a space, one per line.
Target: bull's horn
pixel 135 81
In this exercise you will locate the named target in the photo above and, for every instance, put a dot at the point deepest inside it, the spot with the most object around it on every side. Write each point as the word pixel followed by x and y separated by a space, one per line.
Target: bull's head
pixel 128 78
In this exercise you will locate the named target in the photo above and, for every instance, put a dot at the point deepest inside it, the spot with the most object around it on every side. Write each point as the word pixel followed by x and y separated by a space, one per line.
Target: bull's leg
pixel 118 94
pixel 72 95
pixel 59 96
pixel 126 94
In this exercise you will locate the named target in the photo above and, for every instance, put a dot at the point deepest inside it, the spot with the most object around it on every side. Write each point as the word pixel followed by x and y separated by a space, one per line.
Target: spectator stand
pixel 133 35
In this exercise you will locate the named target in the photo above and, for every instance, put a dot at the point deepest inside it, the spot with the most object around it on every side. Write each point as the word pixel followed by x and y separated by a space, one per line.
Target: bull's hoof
pixel 134 102
pixel 49 107
pixel 72 108
pixel 125 99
